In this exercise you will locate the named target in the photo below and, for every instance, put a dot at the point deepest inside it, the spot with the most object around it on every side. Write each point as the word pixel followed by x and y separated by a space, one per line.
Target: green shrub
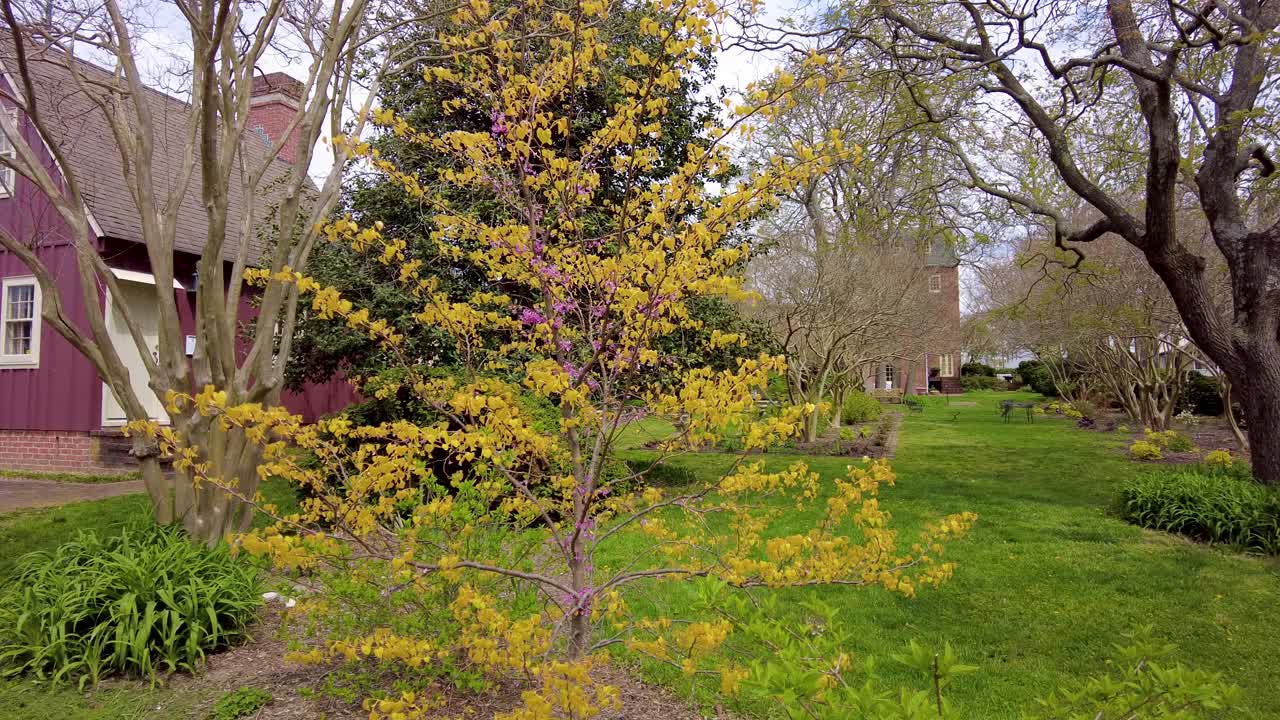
pixel 1141 681
pixel 860 407
pixel 241 703
pixel 1206 504
pixel 141 602
pixel 1035 375
pixel 982 382
pixel 977 368
pixel 1201 396
pixel 1087 408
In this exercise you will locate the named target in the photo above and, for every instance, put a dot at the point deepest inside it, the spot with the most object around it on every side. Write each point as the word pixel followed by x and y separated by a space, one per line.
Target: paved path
pixel 18 494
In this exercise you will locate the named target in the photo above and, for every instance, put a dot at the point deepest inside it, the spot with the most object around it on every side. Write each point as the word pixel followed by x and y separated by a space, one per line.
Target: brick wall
pixel 936 331
pixel 275 100
pixel 273 118
pixel 55 451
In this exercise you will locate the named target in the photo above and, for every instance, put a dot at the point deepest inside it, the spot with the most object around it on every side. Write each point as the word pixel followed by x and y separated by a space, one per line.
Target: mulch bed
pixel 859 447
pixel 1208 433
pixel 297 689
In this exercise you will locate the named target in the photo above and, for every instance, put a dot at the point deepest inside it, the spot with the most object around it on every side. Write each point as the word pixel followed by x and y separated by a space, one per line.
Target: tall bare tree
pixel 204 160
pixel 839 310
pixel 844 282
pixel 1143 110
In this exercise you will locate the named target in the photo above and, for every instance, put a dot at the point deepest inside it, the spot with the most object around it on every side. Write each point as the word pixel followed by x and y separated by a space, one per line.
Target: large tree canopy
pixel 1150 113
pixel 326 348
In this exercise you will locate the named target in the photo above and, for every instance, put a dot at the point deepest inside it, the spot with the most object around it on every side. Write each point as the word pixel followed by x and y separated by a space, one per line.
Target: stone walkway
pixel 19 494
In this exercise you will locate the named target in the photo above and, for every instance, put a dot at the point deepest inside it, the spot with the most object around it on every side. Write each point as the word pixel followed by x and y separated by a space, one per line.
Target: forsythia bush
pixel 584 286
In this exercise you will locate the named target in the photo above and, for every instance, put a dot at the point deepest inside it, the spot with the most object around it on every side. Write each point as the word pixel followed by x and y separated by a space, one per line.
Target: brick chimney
pixel 273 103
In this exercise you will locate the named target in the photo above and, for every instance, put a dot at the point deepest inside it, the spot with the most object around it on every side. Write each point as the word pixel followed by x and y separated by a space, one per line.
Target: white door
pixel 141 301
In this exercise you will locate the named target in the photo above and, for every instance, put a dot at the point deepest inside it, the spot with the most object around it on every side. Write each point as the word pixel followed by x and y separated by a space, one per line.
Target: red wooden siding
pixel 64 392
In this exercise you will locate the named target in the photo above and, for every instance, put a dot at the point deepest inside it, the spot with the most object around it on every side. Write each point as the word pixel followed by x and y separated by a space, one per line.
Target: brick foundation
pixel 57 451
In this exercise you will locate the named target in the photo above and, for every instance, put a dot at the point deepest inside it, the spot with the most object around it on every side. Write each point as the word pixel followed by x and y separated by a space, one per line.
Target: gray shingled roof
pixel 81 130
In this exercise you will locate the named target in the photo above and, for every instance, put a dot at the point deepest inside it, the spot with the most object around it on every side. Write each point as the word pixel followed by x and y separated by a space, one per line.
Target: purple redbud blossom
pixel 499 126
pixel 529 316
pixel 564 346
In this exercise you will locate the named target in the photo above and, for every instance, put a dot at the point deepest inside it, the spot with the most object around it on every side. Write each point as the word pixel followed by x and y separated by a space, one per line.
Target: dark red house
pixel 55 412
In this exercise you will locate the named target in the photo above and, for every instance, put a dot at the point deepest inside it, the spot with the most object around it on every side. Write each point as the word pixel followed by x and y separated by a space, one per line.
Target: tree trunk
pixel 814 394
pixel 159 487
pixel 838 397
pixel 208 512
pixel 580 615
pixel 1229 411
pixel 811 426
pixel 1261 400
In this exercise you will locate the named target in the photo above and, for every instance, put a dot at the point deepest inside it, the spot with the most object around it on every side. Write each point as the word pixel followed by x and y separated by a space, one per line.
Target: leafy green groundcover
pixel 1206 504
pixel 142 601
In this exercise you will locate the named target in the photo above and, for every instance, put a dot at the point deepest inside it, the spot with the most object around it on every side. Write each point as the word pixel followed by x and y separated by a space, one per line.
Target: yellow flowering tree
pixel 483 501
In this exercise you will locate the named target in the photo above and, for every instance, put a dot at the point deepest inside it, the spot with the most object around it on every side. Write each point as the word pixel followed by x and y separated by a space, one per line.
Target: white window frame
pixel 32 359
pixel 8 178
pixel 890 373
pixel 935 283
pixel 947 365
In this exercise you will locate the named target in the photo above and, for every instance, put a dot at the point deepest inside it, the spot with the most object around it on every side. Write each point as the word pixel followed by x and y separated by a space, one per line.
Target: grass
pixel 1047 581
pixel 26 531
pixel 23 701
pixel 46 528
pixel 71 477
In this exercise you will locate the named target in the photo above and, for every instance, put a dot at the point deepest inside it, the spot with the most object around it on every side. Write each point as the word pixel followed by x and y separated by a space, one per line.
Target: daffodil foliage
pixel 590 286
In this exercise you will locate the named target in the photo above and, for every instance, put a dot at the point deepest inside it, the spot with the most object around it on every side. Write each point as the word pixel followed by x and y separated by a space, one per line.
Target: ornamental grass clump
pixel 141 603
pixel 1206 503
pixel 592 267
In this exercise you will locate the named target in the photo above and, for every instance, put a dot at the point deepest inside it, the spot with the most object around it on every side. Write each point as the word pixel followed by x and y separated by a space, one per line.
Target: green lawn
pixel 1047 581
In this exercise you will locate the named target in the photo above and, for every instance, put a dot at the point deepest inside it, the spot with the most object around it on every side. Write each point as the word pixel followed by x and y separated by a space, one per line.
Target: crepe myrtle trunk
pixel 207 511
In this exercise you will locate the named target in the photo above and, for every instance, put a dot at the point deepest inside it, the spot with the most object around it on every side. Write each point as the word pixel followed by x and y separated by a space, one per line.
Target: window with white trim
pixel 888 376
pixel 20 322
pixel 948 365
pixel 7 176
pixel 935 283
